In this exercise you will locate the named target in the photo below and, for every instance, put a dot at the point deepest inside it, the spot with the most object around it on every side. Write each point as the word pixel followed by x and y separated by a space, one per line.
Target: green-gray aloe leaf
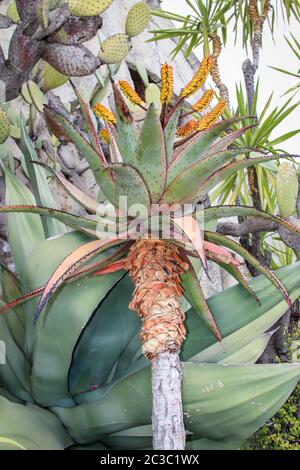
pixel 188 188
pixel 38 179
pixel 74 221
pixel 197 148
pixel 28 427
pixel 170 133
pixel 233 245
pixel 25 231
pixel 150 157
pixel 130 184
pixel 217 212
pixel 94 158
pixel 126 139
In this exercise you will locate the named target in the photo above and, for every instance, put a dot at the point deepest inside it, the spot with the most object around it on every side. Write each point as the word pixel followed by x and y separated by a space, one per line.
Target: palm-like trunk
pixel 155 267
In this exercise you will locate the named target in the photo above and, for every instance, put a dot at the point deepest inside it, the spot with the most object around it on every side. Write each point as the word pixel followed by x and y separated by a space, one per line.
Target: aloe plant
pixel 152 167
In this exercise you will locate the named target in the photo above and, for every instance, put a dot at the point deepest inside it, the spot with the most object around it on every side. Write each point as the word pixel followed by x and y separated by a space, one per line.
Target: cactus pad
pixel 137 19
pixel 88 8
pixel 114 49
pixel 74 61
pixel 52 78
pixel 12 12
pixel 4 126
pixel 286 189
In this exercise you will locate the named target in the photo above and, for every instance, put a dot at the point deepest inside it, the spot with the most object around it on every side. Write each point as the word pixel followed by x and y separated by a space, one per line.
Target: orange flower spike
pixel 210 118
pixel 204 101
pixel 130 93
pixel 199 78
pixel 187 129
pixel 105 114
pixel 104 136
pixel 167 84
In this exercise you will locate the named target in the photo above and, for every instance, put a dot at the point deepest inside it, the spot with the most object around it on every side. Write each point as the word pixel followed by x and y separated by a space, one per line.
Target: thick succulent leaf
pixel 31 428
pixel 210 164
pixel 239 317
pixel 191 183
pixel 79 196
pixel 226 141
pixel 235 272
pixel 130 183
pixel 106 266
pixel 73 306
pixel 232 168
pixel 109 346
pixel 15 373
pixel 233 245
pixel 70 264
pixel 94 158
pixel 194 295
pixel 11 289
pixel 87 115
pixel 250 353
pixel 150 157
pixel 217 212
pixel 38 179
pixel 196 149
pixel 126 139
pixel 192 233
pixel 74 221
pixel 170 133
pixel 249 395
pixel 25 232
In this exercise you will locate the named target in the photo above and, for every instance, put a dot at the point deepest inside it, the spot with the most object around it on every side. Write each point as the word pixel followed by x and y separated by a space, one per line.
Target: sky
pixel 275 53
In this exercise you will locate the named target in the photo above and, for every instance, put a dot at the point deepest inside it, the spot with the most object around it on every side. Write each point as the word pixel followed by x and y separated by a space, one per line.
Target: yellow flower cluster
pixel 104 136
pixel 167 84
pixel 210 118
pixel 105 114
pixel 187 129
pixel 204 101
pixel 130 92
pixel 199 78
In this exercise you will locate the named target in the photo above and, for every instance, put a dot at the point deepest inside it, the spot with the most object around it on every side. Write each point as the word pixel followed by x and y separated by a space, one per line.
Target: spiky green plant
pixel 156 170
pixel 61 382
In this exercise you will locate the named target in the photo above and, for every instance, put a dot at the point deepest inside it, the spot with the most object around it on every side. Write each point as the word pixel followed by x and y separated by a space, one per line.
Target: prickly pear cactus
pixel 12 12
pixel 4 126
pixel 71 60
pixel 138 19
pixel 88 7
pixel 115 49
pixel 286 189
pixel 51 78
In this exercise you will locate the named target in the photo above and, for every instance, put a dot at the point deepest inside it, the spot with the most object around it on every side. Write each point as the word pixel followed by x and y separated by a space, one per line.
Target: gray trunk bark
pixel 167 413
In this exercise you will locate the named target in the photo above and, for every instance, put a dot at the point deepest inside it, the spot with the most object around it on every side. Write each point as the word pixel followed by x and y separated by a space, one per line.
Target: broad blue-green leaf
pixel 220 402
pixel 31 428
pixel 73 305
